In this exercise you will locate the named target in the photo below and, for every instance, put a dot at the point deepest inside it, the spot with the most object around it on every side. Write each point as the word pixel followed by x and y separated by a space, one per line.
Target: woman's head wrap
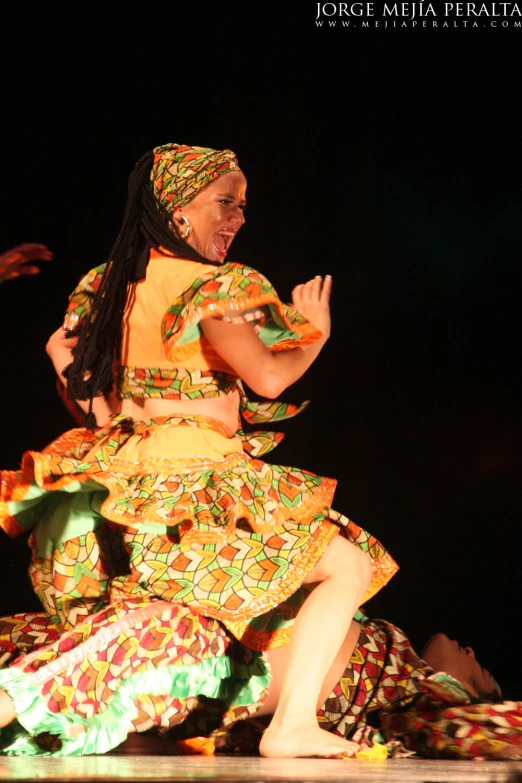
pixel 179 172
pixel 162 179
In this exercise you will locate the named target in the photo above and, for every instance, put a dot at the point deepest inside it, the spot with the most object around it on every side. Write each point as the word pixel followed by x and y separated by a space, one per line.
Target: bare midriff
pixel 225 409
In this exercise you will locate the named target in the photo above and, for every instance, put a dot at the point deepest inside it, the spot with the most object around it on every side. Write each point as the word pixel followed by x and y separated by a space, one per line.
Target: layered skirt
pixel 134 666
pixel 154 667
pixel 174 509
pixel 144 535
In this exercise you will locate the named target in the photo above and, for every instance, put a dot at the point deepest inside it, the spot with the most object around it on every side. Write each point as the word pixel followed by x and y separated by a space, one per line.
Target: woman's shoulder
pixel 227 289
pixel 91 280
pixel 235 277
pixel 234 267
pixel 80 300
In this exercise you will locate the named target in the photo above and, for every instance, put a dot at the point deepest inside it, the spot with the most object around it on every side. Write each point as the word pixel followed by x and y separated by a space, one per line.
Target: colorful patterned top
pixel 164 351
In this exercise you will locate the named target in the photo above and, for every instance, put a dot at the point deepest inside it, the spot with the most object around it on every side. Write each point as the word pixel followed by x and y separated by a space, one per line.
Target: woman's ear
pixel 178 221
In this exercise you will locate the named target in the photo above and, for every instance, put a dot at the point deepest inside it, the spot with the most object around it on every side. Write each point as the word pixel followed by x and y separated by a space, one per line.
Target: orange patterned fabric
pixel 229 535
pixel 73 579
pixel 231 290
pixel 204 521
pixel 164 351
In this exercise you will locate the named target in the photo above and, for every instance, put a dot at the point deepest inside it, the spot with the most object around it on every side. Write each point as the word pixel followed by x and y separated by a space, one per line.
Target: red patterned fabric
pixel 434 729
pixel 383 672
pixel 22 633
pixel 387 694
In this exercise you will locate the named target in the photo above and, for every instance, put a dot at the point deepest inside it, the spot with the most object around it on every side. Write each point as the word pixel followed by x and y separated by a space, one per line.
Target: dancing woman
pixel 167 498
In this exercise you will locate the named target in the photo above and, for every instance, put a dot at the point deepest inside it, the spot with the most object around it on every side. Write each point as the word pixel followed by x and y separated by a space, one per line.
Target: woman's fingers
pixel 311 290
pixel 314 292
pixel 315 286
pixel 318 289
pixel 297 296
pixel 326 289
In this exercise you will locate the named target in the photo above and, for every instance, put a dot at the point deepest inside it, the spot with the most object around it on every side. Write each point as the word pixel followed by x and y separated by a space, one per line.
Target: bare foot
pixel 298 741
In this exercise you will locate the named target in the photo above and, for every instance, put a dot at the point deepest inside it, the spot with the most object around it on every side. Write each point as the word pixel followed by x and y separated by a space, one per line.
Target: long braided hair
pixel 146 224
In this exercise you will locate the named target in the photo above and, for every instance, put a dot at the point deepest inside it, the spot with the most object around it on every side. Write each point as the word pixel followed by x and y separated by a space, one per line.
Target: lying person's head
pixel 446 655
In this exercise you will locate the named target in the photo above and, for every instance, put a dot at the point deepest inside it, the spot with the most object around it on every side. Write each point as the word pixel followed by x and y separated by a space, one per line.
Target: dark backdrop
pixel 387 158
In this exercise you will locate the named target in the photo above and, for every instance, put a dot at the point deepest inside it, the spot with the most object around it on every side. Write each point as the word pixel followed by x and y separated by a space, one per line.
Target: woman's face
pixel 215 216
pixel 446 655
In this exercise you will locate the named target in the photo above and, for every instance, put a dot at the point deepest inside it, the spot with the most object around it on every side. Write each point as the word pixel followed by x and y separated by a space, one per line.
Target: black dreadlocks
pixel 146 224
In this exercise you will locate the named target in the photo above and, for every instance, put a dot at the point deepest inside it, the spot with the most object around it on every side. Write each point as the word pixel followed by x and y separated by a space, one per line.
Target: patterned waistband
pixel 176 383
pixel 179 383
pixel 128 424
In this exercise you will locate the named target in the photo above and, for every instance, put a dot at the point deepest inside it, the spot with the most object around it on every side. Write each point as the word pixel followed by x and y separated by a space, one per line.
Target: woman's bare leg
pixel 7 713
pixel 344 573
pixel 277 657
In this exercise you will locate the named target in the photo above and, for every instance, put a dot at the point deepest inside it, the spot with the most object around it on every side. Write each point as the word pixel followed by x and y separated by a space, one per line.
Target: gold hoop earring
pixel 189 227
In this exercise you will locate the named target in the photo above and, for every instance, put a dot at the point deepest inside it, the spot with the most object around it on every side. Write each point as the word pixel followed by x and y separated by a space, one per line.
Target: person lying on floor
pixel 153 667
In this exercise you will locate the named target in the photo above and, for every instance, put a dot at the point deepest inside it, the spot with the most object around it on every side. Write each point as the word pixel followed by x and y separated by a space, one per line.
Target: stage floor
pixel 137 769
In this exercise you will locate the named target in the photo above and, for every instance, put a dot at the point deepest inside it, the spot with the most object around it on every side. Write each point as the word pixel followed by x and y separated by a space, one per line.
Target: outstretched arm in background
pixel 15 261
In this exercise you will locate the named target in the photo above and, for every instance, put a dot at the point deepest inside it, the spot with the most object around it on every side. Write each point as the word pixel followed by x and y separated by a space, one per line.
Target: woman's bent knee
pixel 357 567
pixel 343 560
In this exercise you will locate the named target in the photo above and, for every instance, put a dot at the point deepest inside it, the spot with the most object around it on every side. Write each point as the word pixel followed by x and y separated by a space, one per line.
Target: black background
pixel 387 158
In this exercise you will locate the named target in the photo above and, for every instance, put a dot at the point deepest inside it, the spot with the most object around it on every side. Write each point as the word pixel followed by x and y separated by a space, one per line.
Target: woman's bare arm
pixel 267 373
pixel 59 348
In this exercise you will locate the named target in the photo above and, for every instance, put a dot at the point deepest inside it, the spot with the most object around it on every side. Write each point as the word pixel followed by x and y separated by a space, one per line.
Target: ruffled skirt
pixel 146 665
pixel 174 509
pixel 129 668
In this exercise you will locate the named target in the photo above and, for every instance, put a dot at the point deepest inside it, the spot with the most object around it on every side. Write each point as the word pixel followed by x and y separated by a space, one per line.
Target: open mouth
pixel 222 241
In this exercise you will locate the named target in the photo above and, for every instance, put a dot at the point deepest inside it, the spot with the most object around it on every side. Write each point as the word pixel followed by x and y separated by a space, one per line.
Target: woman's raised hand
pixel 312 299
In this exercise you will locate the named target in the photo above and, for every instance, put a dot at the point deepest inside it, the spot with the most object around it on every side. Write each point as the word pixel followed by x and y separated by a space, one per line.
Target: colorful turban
pixel 179 172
